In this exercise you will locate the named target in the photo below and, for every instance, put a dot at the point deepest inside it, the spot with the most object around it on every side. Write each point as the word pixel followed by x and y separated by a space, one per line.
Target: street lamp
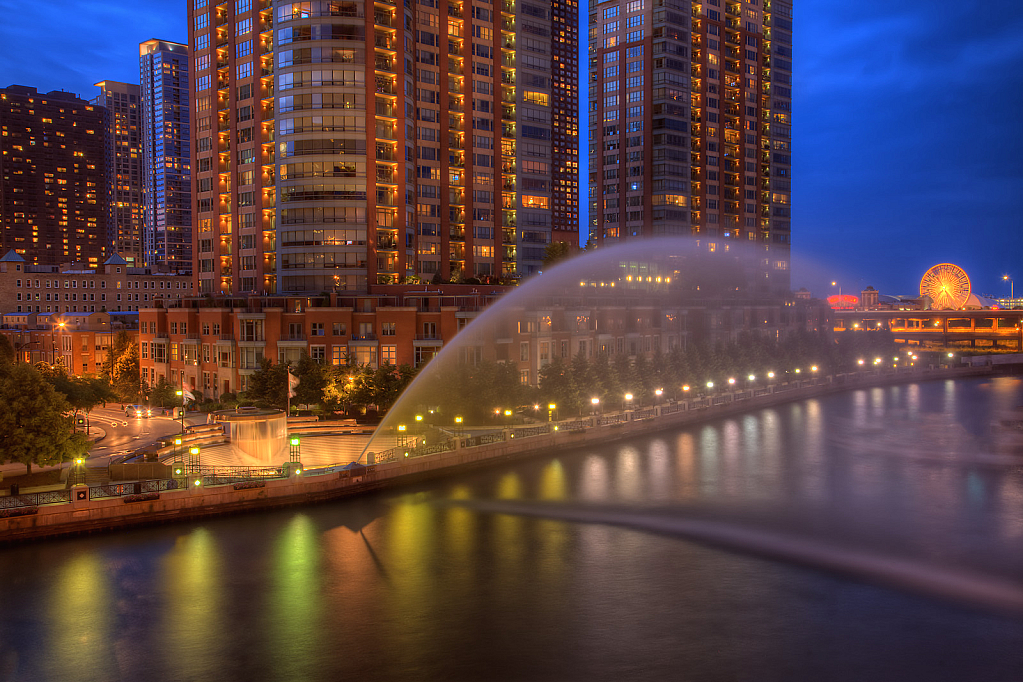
pixel 296 449
pixel 595 402
pixel 731 382
pixel 659 392
pixel 627 403
pixel 193 461
pixel 770 375
pixel 182 394
pixel 458 426
pixel 550 411
pixel 1012 292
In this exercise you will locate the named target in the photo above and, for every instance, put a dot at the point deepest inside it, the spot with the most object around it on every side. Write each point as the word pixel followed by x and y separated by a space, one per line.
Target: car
pixel 138 411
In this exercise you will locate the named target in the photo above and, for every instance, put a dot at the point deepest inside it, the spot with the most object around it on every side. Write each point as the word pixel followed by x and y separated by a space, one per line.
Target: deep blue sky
pixel 907 125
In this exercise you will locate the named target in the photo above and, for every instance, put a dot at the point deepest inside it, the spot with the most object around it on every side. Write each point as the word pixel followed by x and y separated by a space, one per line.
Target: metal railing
pixel 35 499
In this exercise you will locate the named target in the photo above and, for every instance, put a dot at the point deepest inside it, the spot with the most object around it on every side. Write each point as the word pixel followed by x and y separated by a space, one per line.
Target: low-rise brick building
pixel 74 288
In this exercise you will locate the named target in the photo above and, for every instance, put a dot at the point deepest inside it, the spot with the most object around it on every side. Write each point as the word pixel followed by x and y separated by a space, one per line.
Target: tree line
pixel 481 392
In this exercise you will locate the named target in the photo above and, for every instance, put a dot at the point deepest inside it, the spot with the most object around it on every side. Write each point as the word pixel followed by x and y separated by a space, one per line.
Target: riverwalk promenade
pixel 165 493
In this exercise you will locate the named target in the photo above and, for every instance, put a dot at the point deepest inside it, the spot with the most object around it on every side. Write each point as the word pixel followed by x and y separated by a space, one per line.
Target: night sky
pixel 907 125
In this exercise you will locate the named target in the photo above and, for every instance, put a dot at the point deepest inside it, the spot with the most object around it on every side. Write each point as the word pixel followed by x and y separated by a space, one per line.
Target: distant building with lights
pixel 690 125
pixel 344 145
pixel 124 168
pixel 166 156
pixel 53 177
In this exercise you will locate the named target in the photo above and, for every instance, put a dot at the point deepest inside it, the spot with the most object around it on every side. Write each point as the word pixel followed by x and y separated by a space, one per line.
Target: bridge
pixel 988 328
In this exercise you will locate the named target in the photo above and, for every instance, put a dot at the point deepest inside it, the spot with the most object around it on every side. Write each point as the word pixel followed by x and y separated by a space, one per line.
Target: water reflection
pixel 295 602
pixel 391 587
pixel 195 601
pixel 81 621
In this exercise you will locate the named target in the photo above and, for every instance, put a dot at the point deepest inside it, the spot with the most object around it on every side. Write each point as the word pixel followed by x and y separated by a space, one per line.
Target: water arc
pixel 637 289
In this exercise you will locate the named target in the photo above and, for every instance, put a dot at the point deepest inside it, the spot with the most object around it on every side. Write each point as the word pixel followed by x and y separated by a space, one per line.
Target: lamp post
pixel 550 411
pixel 458 426
pixel 182 394
pixel 595 402
pixel 1012 292
pixel 627 402
pixel 193 460
pixel 296 449
pixel 658 393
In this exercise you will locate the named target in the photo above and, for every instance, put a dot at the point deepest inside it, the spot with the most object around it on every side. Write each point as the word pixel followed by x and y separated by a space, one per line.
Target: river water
pixel 394 586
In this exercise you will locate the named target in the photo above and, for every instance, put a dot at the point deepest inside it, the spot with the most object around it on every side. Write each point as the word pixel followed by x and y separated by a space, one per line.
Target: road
pixel 124 434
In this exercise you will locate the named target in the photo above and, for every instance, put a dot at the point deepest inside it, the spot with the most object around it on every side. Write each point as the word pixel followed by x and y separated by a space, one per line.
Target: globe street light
pixel 595 402
pixel 627 403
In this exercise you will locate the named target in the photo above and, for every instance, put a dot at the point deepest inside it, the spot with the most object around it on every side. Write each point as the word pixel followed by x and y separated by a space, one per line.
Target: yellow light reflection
pixel 194 607
pixel 80 614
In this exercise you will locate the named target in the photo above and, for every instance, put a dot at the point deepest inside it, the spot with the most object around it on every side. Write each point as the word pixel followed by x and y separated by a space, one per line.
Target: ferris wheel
pixel 947 285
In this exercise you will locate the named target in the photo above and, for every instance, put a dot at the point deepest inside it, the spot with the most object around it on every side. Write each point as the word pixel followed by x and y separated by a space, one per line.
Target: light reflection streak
pixel 194 608
pixel 295 600
pixel 81 620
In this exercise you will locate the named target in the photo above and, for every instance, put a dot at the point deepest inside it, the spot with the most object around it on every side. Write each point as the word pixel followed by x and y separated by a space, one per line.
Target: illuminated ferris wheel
pixel 947 285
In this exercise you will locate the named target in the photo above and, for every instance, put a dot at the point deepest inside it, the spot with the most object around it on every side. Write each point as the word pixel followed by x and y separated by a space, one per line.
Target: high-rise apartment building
pixel 123 138
pixel 690 106
pixel 53 204
pixel 166 155
pixel 339 145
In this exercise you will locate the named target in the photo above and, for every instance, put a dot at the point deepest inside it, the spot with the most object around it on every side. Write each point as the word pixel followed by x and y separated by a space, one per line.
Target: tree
pixel 555 252
pixel 35 427
pixel 126 376
pixel 268 385
pixel 6 351
pixel 312 379
pixel 122 341
pixel 163 394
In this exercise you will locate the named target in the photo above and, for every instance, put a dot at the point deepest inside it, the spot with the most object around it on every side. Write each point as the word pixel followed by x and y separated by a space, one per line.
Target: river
pixel 394 586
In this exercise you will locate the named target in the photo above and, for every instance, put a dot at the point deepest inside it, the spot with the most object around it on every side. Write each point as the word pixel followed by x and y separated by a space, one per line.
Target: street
pixel 124 434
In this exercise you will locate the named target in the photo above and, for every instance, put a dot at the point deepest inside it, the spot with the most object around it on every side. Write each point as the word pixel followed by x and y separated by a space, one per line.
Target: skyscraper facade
pixel 53 204
pixel 341 145
pixel 690 106
pixel 123 137
pixel 166 155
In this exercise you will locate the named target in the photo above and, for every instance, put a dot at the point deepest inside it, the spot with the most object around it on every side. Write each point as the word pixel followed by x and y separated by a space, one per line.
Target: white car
pixel 138 411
